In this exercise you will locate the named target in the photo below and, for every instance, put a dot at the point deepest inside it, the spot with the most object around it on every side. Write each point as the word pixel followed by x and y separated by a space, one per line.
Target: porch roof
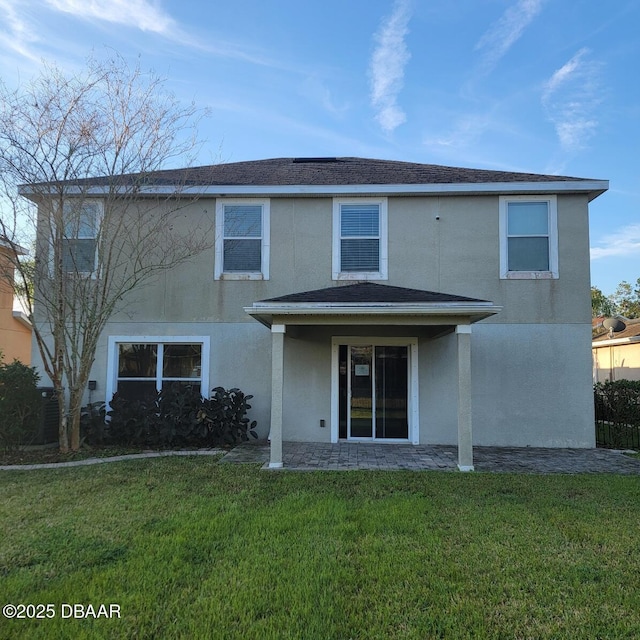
pixel 367 303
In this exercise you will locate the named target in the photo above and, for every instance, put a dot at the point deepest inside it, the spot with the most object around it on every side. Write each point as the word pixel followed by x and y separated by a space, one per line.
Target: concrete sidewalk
pixel 128 456
pixel 304 456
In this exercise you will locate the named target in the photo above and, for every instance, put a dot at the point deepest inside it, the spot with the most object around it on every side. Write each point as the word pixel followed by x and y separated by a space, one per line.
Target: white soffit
pixel 593 187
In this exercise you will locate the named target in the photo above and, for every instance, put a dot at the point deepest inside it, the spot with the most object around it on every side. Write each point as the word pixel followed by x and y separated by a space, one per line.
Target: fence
pixel 617 407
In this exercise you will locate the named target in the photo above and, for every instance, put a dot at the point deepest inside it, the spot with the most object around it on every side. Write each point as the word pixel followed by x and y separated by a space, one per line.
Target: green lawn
pixel 189 548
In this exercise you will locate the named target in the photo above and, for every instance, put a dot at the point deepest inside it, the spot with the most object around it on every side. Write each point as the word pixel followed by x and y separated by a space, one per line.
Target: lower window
pixel 142 368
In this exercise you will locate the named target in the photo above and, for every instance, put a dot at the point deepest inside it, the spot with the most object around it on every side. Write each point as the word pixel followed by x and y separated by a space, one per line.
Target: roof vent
pixel 310 160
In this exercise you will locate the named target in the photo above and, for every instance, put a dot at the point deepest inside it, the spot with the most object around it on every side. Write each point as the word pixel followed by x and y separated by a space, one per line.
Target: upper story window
pixel 81 220
pixel 242 239
pixel 528 237
pixel 359 239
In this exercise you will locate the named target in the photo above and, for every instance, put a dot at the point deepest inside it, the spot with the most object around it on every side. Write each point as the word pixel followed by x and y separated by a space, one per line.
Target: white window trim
pixel 413 386
pixel 552 272
pixel 219 273
pixel 382 273
pixel 99 217
pixel 112 358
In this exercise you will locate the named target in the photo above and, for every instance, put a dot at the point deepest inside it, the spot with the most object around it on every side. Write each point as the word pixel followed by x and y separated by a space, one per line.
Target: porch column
pixel 465 435
pixel 277 378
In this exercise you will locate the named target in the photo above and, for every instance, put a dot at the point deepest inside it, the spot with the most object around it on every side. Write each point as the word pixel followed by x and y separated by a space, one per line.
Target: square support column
pixel 277 385
pixel 465 433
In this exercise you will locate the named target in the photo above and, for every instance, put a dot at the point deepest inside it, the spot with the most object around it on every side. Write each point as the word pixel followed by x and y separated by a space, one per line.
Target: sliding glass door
pixel 376 380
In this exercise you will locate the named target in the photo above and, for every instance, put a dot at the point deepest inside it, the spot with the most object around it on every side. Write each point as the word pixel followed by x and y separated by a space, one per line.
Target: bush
pixel 178 416
pixel 20 404
pixel 93 425
pixel 223 417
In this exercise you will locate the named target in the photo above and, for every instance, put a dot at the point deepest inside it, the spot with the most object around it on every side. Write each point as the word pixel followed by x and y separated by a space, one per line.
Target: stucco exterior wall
pixel 526 390
pixel 15 337
pixel 616 362
pixel 532 385
pixel 531 363
pixel 458 253
pixel 439 390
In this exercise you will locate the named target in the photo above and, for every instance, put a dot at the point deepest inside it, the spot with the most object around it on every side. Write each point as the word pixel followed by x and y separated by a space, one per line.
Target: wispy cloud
pixel 26 30
pixel 625 242
pixel 315 89
pixel 387 66
pixel 16 34
pixel 570 98
pixel 502 35
pixel 466 129
pixel 140 14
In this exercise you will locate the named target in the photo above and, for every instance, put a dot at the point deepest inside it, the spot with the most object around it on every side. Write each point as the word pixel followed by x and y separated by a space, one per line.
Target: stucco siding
pixel 307 388
pixel 616 362
pixel 532 385
pixel 530 363
pixel 448 244
pixel 438 390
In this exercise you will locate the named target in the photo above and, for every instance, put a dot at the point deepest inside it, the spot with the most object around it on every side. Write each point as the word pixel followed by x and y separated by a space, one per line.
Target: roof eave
pixel 5 243
pixel 593 188
pixel 612 342
pixel 438 313
pixel 22 318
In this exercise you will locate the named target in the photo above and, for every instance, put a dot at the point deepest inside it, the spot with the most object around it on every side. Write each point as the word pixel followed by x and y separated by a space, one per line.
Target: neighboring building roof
pixel 280 174
pixel 371 293
pixel 12 247
pixel 632 331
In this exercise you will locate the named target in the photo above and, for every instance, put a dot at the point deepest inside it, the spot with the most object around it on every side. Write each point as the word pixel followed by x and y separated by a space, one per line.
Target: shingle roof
pixel 323 171
pixel 632 330
pixel 370 292
pixel 338 171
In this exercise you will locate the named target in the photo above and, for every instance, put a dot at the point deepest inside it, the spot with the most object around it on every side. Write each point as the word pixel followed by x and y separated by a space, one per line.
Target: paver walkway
pixel 302 456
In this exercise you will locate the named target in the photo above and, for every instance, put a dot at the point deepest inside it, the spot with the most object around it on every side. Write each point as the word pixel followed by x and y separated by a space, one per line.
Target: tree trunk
pixel 63 434
pixel 75 408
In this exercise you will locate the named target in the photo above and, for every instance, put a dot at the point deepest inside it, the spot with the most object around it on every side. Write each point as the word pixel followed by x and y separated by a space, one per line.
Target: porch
pixel 359 344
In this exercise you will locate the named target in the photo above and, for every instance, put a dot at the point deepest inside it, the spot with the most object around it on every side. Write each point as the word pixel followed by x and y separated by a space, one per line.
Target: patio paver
pixel 307 456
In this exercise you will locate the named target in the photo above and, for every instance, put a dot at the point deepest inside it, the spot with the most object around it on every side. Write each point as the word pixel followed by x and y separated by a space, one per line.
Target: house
pixel 15 327
pixel 616 355
pixel 374 300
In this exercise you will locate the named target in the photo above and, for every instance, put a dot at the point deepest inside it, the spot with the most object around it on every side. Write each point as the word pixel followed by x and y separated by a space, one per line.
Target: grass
pixel 193 549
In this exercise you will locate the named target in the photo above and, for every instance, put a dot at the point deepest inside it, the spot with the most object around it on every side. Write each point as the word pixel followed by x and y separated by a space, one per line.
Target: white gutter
pixel 264 312
pixel 378 308
pixel 22 318
pixel 595 187
pixel 614 341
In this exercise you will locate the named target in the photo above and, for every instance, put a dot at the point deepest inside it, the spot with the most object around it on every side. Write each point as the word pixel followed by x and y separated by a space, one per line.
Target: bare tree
pixel 77 153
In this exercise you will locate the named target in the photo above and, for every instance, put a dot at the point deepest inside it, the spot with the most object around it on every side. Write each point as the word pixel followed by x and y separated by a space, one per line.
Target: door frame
pixel 412 382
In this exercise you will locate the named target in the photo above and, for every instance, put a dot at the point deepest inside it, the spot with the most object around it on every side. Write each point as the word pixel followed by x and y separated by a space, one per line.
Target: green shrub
pixel 93 424
pixel 20 404
pixel 179 416
pixel 223 417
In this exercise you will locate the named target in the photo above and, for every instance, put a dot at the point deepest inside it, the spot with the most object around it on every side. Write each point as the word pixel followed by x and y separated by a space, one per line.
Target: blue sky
pixel 547 86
